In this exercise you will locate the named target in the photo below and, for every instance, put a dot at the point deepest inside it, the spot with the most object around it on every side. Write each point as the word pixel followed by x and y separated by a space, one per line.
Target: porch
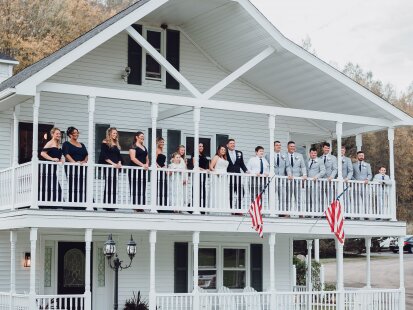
pixel 94 186
pixel 366 299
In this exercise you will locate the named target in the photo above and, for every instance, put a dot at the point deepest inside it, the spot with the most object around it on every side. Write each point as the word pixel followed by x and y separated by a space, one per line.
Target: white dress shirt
pixel 254 165
pixel 233 156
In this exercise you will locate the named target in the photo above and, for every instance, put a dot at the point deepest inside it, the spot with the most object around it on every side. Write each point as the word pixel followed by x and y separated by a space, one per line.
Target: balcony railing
pixel 68 185
pixel 351 300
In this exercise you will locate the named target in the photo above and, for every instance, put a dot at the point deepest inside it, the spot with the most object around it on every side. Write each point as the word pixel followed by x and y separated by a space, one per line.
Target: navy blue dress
pixel 76 174
pixel 49 187
pixel 110 174
pixel 137 178
pixel 162 187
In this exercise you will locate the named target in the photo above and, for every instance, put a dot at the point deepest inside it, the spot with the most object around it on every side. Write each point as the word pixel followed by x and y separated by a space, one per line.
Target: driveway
pixel 384 273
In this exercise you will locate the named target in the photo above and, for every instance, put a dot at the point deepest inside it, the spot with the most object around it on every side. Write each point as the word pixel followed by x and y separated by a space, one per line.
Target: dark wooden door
pixel 71 268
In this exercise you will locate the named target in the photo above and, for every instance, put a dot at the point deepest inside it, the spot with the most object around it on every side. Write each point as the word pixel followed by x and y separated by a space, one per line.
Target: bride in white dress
pixel 219 180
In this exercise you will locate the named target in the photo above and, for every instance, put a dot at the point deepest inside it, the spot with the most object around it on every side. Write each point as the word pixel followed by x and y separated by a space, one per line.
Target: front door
pixel 71 268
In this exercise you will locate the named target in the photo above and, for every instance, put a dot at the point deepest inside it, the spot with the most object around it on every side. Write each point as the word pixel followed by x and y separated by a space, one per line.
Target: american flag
pixel 335 219
pixel 255 212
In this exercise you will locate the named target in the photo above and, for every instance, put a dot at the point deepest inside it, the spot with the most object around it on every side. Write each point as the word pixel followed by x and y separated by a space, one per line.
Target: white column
pixel 35 159
pixel 390 135
pixel 271 189
pixel 317 250
pixel 271 243
pixel 340 275
pixel 13 240
pixel 195 244
pixel 309 266
pixel 88 250
pixel 331 144
pixel 368 265
pixel 196 177
pixel 339 133
pixel 152 290
pixel 15 157
pixel 322 277
pixel 359 141
pixel 401 274
pixel 154 175
pixel 16 114
pixel 91 151
pixel 307 149
pixel 32 292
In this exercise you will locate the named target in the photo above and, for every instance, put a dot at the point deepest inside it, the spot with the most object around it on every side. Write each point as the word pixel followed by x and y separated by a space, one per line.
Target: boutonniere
pixel 296 156
pixel 239 155
pixel 363 165
pixel 343 160
pixel 283 157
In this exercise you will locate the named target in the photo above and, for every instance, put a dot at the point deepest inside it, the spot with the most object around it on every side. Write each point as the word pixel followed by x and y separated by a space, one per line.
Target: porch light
pixel 27 260
pixel 110 247
pixel 131 248
pixel 116 264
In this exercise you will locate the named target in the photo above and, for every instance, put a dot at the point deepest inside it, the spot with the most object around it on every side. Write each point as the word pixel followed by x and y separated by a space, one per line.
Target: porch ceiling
pixel 226 32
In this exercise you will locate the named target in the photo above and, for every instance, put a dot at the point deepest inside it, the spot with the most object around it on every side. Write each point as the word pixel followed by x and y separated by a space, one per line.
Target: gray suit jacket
pixel 365 172
pixel 331 165
pixel 299 168
pixel 347 168
pixel 379 177
pixel 316 169
pixel 284 168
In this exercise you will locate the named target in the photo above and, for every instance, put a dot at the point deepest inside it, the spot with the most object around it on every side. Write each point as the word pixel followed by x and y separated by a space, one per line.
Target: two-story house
pixel 191 72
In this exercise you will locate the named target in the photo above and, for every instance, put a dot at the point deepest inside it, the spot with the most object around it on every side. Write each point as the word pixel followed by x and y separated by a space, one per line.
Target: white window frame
pixel 146 80
pixel 220 263
pixel 246 268
pixel 217 265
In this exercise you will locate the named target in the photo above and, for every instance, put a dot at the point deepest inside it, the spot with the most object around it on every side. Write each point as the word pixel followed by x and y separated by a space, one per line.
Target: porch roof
pixel 230 33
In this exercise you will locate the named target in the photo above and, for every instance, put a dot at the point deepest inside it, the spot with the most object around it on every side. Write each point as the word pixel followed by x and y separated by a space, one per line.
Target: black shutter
pixel 172 55
pixel 256 266
pixel 135 59
pixel 181 267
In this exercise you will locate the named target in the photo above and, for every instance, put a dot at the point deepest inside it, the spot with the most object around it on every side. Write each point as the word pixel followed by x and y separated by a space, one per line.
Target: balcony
pixel 57 185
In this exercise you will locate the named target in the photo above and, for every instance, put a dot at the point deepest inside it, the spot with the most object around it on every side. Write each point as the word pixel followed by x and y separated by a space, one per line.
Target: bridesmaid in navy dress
pixel 138 154
pixel 110 155
pixel 162 187
pixel 203 166
pixel 76 153
pixel 49 187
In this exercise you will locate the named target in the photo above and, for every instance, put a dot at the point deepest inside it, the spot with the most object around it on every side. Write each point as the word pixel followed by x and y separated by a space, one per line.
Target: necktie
pixel 360 166
pixel 292 161
pixel 325 157
pixel 261 166
pixel 312 162
pixel 278 160
pixel 382 177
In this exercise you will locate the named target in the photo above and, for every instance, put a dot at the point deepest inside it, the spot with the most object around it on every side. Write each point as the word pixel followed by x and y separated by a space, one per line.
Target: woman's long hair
pixel 111 142
pixel 218 153
pixel 52 131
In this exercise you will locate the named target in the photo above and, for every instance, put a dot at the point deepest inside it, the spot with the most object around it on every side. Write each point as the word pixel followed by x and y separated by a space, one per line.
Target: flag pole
pixel 337 198
pixel 262 191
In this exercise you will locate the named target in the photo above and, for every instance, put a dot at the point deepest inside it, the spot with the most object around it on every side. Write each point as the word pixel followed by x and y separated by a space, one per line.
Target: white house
pixel 189 71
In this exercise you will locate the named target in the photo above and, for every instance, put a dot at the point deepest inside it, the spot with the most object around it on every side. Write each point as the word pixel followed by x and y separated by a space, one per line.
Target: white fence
pixel 66 185
pixel 325 300
pixel 60 302
pixel 14 301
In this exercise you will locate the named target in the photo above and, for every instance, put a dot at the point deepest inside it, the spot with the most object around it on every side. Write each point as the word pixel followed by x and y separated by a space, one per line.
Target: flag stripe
pixel 255 211
pixel 334 216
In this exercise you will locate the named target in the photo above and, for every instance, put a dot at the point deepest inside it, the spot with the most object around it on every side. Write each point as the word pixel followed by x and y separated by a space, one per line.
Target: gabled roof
pixel 43 63
pixel 231 32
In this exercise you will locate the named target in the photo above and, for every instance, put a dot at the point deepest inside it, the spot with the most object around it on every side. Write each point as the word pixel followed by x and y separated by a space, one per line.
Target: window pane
pixel 207 258
pixel 234 279
pixel 173 141
pixel 221 140
pixel 126 140
pixel 234 258
pixel 207 279
pixel 153 69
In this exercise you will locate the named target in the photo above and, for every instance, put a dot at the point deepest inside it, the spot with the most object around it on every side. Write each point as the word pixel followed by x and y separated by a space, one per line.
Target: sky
pixel 376 34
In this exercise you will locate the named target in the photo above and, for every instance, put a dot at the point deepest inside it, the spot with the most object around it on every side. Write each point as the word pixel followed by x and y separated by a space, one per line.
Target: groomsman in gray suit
pixel 282 168
pixel 361 169
pixel 281 163
pixel 362 172
pixel 316 170
pixel 298 169
pixel 383 190
pixel 347 165
pixel 330 162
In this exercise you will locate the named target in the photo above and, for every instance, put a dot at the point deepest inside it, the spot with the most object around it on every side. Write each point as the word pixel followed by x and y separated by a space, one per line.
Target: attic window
pixel 153 69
